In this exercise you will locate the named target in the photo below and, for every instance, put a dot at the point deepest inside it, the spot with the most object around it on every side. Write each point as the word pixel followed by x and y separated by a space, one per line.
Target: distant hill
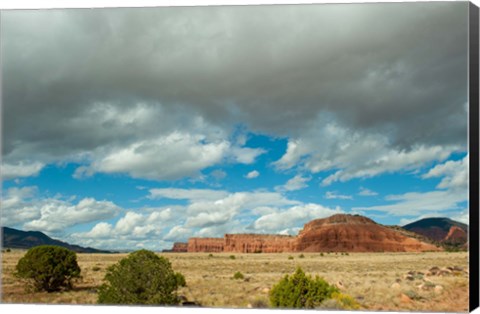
pixel 441 229
pixel 17 239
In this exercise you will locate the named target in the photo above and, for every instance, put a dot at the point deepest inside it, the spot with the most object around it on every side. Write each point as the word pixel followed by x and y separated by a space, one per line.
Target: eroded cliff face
pixel 205 245
pixel 180 247
pixel 338 233
pixel 352 233
pixel 456 235
pixel 258 243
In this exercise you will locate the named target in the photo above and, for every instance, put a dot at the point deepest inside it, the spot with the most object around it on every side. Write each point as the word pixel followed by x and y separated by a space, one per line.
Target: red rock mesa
pixel 338 233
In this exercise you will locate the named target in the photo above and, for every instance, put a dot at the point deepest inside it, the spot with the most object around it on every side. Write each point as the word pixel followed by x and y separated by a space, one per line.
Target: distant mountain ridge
pixel 441 229
pixel 18 239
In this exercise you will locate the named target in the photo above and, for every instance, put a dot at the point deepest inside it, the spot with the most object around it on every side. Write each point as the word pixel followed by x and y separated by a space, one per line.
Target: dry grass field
pixel 378 281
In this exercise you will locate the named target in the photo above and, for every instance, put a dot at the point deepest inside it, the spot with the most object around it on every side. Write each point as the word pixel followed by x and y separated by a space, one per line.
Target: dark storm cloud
pixel 73 80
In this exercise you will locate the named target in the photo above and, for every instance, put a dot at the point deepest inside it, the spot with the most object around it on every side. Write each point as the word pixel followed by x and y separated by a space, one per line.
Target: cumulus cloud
pixel 25 208
pixel 18 206
pixel 288 221
pixel 354 153
pixel 252 174
pixel 20 169
pixel 132 227
pixel 57 215
pixel 454 174
pixel 146 75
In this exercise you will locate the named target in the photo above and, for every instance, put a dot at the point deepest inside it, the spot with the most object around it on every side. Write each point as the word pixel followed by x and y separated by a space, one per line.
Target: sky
pixel 138 128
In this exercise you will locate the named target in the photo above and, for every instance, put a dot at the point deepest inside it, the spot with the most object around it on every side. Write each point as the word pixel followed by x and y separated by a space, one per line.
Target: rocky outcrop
pixel 205 245
pixel 354 233
pixel 180 247
pixel 455 236
pixel 258 243
pixel 338 233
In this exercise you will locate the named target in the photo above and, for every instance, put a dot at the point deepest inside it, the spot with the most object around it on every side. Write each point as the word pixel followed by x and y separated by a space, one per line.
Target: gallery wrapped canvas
pixel 265 156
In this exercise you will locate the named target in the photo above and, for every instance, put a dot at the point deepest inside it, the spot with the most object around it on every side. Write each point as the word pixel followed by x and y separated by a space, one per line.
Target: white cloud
pixel 187 194
pixel 18 206
pixel 101 230
pixel 173 156
pixel 289 220
pixel 391 161
pixel 131 228
pixel 245 155
pixel 252 174
pixel 335 195
pixel 463 216
pixel 21 207
pixel 21 169
pixel 327 146
pixel 298 182
pixel 454 173
pixel 178 233
pixel 418 203
pixel 208 219
pixel 366 192
pixel 57 215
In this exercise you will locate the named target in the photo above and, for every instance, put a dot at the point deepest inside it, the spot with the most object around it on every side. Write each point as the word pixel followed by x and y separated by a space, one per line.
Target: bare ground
pixel 378 281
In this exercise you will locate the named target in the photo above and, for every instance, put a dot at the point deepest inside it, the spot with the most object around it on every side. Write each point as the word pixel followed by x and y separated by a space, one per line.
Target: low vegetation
pixel 301 291
pixel 141 278
pixel 238 275
pixel 372 281
pixel 48 268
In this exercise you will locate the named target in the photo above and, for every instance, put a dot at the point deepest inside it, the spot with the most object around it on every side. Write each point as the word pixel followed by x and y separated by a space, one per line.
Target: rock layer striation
pixel 338 233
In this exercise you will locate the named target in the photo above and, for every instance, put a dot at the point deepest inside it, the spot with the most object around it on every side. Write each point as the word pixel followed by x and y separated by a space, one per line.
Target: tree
pixel 50 268
pixel 141 278
pixel 300 291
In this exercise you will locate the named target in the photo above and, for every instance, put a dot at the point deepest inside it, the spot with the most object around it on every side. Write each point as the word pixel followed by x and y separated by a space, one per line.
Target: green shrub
pixel 301 256
pixel 210 255
pixel 181 282
pixel 300 291
pixel 8 250
pixel 238 275
pixel 290 257
pixel 50 268
pixel 141 278
pixel 96 268
pixel 345 301
pixel 321 254
pixel 232 257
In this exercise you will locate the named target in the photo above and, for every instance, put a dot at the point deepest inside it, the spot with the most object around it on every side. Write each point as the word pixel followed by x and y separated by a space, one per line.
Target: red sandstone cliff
pixel 205 245
pixel 258 243
pixel 180 247
pixel 338 233
pixel 353 233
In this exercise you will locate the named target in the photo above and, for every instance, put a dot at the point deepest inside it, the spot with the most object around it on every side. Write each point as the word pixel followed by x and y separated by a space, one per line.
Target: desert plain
pixel 427 281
